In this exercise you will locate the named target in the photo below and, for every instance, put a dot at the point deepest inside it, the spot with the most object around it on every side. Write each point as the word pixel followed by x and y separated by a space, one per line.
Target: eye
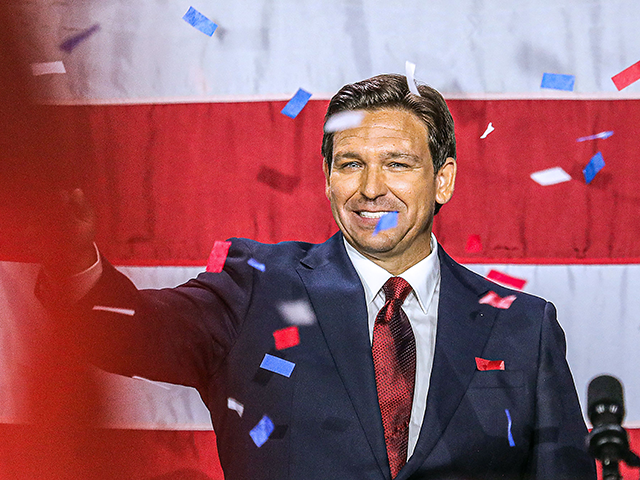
pixel 398 165
pixel 350 164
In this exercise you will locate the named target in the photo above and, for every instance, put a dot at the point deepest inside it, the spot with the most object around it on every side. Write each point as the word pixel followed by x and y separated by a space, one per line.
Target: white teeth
pixel 371 214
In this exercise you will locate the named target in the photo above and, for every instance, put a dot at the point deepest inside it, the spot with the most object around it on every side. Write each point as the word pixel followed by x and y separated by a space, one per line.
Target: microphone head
pixel 605 400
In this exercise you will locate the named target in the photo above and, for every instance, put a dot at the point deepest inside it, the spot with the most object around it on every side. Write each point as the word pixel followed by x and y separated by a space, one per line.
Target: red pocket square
pixel 484 365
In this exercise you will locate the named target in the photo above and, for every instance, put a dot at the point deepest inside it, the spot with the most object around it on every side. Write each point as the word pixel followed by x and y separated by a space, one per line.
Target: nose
pixel 373 183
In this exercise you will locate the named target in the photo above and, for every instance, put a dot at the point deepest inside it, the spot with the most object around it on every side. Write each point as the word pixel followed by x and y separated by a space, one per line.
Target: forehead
pixel 390 128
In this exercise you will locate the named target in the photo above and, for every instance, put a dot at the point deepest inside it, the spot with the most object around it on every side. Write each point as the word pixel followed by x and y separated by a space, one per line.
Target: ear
pixel 446 180
pixel 327 173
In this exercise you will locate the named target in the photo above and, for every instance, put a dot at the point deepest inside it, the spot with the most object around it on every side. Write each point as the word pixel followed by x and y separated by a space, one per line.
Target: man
pixel 403 374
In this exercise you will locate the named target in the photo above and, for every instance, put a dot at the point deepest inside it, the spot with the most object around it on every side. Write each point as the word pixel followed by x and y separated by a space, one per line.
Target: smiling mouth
pixel 366 214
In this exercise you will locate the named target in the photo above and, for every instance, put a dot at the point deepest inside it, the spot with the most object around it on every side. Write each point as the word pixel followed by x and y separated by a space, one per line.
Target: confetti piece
pixel 296 104
pixel 199 21
pixel 627 76
pixel 488 131
pixel 218 256
pixel 495 300
pixel 47 68
pixel 344 121
pixel 276 180
pixel 593 167
pixel 387 221
pixel 277 365
pixel 69 44
pixel 558 81
pixel 410 71
pixel 297 312
pixel 157 384
pixel 286 337
pixel 474 244
pixel 122 311
pixel 507 280
pixel 256 264
pixel 550 176
pixel 595 137
pixel 233 404
pixel 509 435
pixel 261 432
pixel 486 365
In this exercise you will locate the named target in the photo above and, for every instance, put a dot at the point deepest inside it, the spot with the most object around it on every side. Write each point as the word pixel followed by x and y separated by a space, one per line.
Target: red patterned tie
pixel 394 359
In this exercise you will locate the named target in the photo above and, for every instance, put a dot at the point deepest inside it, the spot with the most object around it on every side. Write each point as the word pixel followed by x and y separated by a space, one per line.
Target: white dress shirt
pixel 421 307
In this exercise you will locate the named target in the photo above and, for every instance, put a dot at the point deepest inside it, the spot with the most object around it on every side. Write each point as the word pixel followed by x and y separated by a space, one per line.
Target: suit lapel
pixel 338 299
pixel 463 329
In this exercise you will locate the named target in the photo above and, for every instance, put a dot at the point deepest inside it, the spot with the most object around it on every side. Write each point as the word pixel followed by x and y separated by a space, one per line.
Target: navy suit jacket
pixel 213 332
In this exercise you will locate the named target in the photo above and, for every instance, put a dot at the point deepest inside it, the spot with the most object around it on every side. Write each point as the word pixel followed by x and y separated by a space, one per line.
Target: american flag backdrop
pixel 187 145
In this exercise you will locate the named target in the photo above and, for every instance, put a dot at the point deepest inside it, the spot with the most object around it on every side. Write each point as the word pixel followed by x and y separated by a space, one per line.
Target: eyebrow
pixel 386 155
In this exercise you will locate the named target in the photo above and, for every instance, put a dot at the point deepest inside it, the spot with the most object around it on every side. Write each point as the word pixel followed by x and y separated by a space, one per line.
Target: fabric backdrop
pixel 183 126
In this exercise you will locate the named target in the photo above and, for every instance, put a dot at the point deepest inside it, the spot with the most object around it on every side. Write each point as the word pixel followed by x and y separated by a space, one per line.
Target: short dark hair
pixel 392 91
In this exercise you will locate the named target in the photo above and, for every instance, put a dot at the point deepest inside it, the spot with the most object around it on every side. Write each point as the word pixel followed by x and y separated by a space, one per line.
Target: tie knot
pixel 396 288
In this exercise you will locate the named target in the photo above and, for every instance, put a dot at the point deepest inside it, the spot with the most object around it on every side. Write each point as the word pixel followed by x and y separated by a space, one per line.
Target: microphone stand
pixel 610 444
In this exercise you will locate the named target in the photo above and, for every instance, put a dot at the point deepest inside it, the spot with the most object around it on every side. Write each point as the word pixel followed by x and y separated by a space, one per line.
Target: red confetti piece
pixel 627 76
pixel 277 180
pixel 286 337
pixel 474 244
pixel 507 280
pixel 495 300
pixel 218 256
pixel 484 365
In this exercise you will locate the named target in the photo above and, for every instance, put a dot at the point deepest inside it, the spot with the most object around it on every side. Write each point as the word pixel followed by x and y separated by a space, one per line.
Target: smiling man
pixel 405 373
pixel 385 165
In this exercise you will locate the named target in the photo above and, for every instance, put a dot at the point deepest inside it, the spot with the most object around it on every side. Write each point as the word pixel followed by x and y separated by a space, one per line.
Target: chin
pixel 374 245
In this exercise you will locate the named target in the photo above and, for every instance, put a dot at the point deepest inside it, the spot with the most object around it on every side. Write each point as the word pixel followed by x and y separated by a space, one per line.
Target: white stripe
pixel 123 311
pixel 598 308
pixel 145 50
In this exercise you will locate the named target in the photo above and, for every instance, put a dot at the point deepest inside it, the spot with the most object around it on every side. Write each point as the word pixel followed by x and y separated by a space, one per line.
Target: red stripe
pixel 169 180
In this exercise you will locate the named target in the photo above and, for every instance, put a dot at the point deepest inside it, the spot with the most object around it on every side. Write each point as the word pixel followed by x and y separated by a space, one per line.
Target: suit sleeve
pixel 559 449
pixel 179 335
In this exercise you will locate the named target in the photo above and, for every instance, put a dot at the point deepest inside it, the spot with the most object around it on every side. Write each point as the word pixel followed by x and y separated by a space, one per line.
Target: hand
pixel 60 234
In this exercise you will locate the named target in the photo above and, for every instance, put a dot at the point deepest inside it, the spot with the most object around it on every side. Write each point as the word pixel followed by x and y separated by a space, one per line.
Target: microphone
pixel 608 441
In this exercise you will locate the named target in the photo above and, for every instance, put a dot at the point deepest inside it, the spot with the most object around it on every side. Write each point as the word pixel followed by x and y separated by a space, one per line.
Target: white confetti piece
pixel 488 130
pixel 550 176
pixel 410 72
pixel 123 311
pixel 297 312
pixel 344 121
pixel 46 68
pixel 233 404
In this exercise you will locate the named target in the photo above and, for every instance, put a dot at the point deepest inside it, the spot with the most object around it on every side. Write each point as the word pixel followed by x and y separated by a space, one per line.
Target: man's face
pixel 384 165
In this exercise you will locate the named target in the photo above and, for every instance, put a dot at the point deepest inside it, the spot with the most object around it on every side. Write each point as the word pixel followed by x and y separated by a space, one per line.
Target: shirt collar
pixel 422 277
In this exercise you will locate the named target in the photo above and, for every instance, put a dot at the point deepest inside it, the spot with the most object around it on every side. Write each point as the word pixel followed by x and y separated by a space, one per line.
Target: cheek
pixel 341 189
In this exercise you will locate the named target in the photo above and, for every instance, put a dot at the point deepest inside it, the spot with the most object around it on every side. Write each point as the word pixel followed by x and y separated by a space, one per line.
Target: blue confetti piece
pixel 602 135
pixel 509 435
pixel 72 42
pixel 199 21
pixel 296 104
pixel 256 264
pixel 277 365
pixel 388 220
pixel 558 81
pixel 261 432
pixel 593 167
